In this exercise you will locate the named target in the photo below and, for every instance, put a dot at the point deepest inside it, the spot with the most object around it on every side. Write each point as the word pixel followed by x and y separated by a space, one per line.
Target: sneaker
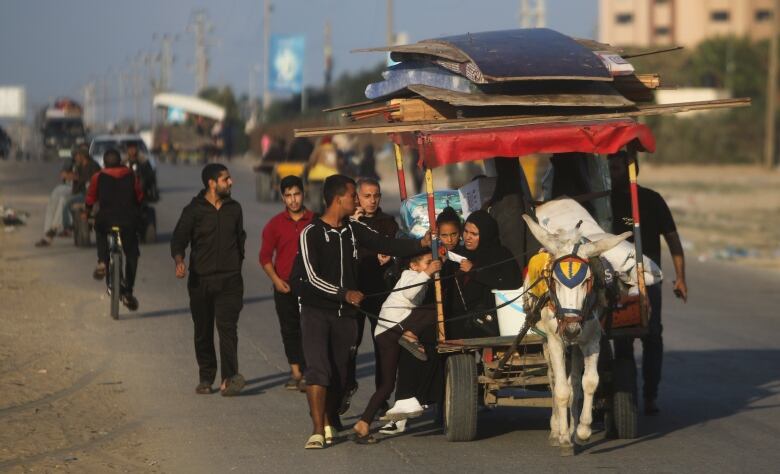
pixel 233 386
pixel 302 385
pixel 403 409
pixel 393 428
pixel 130 301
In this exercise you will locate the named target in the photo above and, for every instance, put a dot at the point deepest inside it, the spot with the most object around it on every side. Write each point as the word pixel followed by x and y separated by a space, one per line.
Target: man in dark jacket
pixel 372 267
pixel 212 225
pixel 656 221
pixel 143 169
pixel 325 277
pixel 118 192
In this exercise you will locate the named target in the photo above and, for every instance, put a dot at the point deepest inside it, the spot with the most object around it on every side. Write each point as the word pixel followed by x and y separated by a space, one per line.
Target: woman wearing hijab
pixel 473 287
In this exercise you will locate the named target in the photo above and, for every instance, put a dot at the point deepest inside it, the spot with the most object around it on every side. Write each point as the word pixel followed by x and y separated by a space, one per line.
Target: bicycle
pixel 115 266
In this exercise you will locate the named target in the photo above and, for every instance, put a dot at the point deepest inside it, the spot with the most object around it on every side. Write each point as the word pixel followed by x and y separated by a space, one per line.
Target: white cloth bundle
pixel 565 213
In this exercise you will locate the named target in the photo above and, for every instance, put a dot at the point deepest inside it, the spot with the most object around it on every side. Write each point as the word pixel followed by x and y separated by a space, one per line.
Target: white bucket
pixel 511 317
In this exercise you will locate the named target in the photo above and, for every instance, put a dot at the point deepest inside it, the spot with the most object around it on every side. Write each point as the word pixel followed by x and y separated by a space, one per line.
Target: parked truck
pixel 62 127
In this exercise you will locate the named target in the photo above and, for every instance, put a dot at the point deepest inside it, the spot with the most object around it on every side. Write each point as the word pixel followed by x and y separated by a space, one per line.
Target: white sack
pixel 563 214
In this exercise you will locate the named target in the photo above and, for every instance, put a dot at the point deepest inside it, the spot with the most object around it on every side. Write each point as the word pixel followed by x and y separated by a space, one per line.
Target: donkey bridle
pixel 563 314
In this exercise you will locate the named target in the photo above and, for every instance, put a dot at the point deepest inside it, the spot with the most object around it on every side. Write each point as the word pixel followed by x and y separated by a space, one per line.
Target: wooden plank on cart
pixel 510 121
pixel 457 345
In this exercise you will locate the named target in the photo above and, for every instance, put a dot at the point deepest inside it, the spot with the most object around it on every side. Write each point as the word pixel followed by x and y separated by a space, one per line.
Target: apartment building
pixel 682 22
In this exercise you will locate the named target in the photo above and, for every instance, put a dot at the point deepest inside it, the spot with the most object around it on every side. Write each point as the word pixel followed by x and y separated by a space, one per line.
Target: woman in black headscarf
pixel 473 287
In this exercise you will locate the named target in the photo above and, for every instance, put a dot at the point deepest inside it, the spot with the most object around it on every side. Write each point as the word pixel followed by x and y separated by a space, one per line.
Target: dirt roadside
pixel 61 407
pixel 727 213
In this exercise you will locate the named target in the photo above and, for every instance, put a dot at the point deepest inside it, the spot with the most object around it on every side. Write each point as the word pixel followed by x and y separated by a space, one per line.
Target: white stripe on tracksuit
pixel 313 278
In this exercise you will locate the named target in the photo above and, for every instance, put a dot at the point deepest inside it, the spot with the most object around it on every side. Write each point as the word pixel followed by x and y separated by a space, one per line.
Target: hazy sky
pixel 54 47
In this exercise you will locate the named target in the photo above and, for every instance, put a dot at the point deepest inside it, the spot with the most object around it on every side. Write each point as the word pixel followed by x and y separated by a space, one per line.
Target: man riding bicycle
pixel 117 190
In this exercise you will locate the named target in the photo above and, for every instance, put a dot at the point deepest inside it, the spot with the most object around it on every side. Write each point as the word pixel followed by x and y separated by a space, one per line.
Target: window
pixel 662 31
pixel 720 16
pixel 763 15
pixel 624 18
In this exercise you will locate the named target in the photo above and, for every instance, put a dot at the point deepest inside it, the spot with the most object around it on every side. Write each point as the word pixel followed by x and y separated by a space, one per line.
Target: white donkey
pixel 569 319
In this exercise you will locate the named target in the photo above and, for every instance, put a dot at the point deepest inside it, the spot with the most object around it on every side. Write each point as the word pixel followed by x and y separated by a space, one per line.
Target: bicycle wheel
pixel 115 272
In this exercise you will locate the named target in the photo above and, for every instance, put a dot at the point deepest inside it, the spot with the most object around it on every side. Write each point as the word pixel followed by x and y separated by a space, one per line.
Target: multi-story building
pixel 682 22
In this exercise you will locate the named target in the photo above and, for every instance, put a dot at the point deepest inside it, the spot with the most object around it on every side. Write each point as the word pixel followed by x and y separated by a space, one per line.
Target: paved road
pixel 720 396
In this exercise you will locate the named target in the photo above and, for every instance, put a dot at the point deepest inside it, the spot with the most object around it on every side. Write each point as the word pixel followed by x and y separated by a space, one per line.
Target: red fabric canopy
pixel 443 148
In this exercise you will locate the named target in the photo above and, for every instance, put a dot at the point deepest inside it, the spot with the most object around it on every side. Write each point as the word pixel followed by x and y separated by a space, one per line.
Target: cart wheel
pixel 460 409
pixel 263 186
pixel 624 416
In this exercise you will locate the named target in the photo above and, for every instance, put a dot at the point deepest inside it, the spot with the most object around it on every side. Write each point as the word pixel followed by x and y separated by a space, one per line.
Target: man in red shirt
pixel 277 253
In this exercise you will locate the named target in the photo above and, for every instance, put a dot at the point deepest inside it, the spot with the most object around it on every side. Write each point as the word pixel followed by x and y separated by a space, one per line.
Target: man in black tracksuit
pixel 213 226
pixel 325 277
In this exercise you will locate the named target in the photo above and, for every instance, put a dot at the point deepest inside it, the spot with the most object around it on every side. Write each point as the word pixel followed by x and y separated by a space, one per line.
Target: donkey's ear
pixel 592 249
pixel 545 238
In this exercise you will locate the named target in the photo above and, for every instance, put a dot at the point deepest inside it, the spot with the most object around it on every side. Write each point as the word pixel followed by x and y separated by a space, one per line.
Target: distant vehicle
pixel 5 145
pixel 62 128
pixel 186 128
pixel 101 143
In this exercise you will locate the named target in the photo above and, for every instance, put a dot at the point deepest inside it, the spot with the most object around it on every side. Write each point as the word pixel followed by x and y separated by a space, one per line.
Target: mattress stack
pixel 501 73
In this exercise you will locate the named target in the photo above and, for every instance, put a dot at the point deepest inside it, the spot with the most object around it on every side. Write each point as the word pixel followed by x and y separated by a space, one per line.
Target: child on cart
pixel 400 320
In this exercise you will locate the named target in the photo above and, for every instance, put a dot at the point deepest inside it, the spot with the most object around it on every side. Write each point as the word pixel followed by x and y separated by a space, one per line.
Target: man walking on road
pixel 213 226
pixel 656 220
pixel 277 254
pixel 325 276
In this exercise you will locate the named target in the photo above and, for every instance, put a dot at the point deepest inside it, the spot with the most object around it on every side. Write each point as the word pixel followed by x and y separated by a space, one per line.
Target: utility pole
pixel 267 7
pixel 166 64
pixel 200 26
pixel 771 91
pixel 121 76
pixel 328 53
pixel 533 16
pixel 390 26
pixel 136 79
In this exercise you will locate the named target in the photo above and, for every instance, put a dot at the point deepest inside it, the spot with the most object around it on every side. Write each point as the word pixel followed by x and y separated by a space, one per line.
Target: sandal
pixel 100 271
pixel 364 439
pixel 330 433
pixel 315 441
pixel 204 388
pixel 414 347
pixel 43 243
pixel 292 384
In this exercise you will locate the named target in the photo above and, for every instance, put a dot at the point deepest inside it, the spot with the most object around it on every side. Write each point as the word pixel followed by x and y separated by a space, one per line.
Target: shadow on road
pixel 699 387
pixel 186 310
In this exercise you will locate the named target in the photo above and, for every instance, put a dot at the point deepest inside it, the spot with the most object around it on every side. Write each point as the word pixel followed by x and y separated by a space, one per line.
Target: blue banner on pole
pixel 286 63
